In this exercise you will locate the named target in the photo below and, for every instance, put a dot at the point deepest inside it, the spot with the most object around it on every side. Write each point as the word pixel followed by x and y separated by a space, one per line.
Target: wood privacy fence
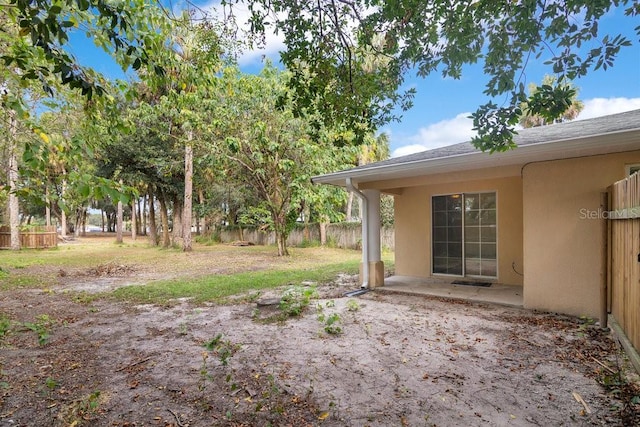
pixel 624 256
pixel 341 235
pixel 38 237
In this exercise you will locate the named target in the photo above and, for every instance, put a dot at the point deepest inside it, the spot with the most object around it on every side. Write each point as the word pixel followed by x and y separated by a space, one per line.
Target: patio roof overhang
pixel 593 145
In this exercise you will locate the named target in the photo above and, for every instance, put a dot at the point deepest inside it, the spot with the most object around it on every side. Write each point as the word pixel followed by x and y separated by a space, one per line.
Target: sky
pixel 439 116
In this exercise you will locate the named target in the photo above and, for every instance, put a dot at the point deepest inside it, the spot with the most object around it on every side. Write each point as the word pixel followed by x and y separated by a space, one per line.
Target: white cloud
pixel 598 107
pixel 273 43
pixel 440 134
pixel 458 129
pixel 408 149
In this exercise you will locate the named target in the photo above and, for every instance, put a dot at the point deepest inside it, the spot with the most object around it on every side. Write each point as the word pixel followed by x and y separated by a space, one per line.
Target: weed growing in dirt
pixel 81 410
pixel 295 299
pixel 352 305
pixel 41 327
pixel 5 326
pixel 332 324
pixel 224 349
pixel 204 373
pixel 331 321
pixel 628 392
pixel 51 383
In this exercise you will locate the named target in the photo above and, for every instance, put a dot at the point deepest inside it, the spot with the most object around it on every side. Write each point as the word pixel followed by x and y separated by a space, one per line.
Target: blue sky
pixel 441 106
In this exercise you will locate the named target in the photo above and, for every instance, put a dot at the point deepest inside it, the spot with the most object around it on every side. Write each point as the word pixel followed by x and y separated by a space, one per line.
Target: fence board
pixel 37 237
pixel 342 235
pixel 624 216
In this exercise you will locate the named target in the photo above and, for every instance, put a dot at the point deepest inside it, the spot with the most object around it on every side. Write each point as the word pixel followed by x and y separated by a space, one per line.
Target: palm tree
pixel 373 150
pixel 530 119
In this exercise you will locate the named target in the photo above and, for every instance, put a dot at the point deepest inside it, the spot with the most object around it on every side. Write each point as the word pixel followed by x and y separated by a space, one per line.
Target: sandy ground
pixel 397 361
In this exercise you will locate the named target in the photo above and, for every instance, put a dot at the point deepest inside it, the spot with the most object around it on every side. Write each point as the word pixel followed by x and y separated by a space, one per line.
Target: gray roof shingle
pixel 543 134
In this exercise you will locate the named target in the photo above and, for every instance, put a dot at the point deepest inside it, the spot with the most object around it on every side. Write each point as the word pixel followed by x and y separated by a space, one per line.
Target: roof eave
pixel 611 142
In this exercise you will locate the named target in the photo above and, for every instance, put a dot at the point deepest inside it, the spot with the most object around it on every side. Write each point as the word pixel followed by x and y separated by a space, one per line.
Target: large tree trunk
pixel 176 231
pixel 143 214
pixel 14 206
pixel 84 222
pixel 134 224
pixel 119 223
pixel 47 208
pixel 349 207
pixel 164 218
pixel 153 229
pixel 202 220
pixel 63 214
pixel 323 233
pixel 279 228
pixel 78 225
pixel 188 192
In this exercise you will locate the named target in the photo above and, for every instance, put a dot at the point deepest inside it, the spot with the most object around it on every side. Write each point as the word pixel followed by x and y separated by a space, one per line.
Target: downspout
pixel 365 229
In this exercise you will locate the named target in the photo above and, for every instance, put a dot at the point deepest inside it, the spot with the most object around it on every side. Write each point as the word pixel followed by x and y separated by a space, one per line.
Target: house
pixel 534 216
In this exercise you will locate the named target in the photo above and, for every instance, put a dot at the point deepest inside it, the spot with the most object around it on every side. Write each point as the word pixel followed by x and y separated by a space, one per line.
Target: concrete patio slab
pixel 510 295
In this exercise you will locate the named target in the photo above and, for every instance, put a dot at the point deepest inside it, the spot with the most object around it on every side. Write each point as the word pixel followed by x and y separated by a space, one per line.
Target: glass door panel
pixel 480 234
pixel 447 234
pixel 464 234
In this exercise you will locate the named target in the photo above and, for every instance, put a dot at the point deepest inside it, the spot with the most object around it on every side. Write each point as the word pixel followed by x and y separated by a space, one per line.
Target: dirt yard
pixel 374 360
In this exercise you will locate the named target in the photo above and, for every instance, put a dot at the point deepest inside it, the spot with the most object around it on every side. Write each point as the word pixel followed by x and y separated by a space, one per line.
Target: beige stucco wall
pixel 563 264
pixel 413 218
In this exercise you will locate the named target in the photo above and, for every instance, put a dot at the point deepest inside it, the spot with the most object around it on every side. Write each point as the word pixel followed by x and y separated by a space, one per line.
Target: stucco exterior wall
pixel 563 235
pixel 413 220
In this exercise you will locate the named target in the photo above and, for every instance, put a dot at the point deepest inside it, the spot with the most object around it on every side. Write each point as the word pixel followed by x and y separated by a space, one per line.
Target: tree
pixel 330 40
pixel 128 30
pixel 373 150
pixel 271 147
pixel 561 113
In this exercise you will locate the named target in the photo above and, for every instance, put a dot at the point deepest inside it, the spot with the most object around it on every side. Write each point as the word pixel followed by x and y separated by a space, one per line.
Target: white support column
pixel 373 224
pixel 376 267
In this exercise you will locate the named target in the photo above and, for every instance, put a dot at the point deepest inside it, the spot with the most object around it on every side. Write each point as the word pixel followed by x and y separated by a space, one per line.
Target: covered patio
pixel 510 295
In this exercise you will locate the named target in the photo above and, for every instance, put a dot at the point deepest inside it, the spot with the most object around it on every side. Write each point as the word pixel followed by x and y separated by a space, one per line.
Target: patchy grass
pixel 218 287
pixel 209 273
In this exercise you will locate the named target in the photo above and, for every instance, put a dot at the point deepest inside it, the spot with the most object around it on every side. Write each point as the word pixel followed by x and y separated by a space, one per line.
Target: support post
pixel 376 266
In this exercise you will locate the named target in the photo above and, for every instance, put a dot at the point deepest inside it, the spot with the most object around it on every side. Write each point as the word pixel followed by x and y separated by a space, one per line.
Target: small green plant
pixel 352 305
pixel 5 326
pixel 204 373
pixel 331 322
pixel 224 349
pixel 89 404
pixel 41 327
pixel 50 383
pixel 80 411
pixel 295 299
pixel 183 328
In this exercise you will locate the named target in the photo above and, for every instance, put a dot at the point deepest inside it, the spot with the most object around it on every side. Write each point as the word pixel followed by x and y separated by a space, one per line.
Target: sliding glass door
pixel 464 234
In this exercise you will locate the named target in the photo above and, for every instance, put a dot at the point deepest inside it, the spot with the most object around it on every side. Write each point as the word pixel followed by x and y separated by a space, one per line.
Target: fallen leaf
pixel 323 416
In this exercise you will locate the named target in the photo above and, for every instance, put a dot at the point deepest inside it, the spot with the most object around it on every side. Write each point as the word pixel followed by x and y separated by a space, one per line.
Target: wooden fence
pixel 341 235
pixel 624 256
pixel 37 237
